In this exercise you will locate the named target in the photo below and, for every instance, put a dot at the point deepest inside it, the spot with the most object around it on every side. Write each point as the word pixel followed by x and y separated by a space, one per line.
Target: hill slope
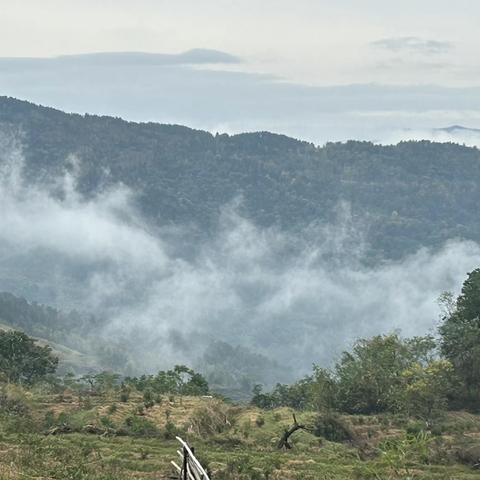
pixel 410 195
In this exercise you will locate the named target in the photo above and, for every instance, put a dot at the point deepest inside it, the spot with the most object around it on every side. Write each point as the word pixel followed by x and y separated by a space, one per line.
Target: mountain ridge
pixel 412 194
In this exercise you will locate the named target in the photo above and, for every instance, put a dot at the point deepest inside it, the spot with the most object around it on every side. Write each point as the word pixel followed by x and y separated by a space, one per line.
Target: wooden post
pixel 192 469
pixel 185 464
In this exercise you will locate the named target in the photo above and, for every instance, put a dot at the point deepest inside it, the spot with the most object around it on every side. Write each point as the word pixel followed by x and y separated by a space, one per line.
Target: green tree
pixel 323 389
pixel 460 337
pixel 22 361
pixel 428 388
pixel 106 381
pixel 370 377
pixel 181 380
pixel 317 391
pixel 261 399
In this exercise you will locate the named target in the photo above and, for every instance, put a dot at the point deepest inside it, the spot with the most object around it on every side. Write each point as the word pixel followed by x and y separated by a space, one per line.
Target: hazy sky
pixel 310 41
pixel 292 67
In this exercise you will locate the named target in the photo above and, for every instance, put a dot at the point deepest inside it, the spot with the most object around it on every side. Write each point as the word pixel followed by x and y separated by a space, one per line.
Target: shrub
pixel 75 421
pixel 15 411
pixel 107 422
pixel 215 417
pixel 332 428
pixel 171 431
pixel 260 421
pixel 148 396
pixel 415 427
pixel 140 426
pixel 49 420
pixel 13 401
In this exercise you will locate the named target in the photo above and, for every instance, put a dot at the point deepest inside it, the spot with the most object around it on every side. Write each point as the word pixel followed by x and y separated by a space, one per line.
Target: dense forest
pixel 408 195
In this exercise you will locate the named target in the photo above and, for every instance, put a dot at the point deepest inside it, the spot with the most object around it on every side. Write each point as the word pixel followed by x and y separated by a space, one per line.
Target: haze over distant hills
pixel 458 128
pixel 215 91
pixel 453 133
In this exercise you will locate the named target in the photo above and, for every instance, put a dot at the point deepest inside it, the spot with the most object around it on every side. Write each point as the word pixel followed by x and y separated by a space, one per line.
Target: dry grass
pixel 230 439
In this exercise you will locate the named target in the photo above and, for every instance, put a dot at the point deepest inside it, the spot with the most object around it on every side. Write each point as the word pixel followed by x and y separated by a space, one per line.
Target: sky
pixel 305 47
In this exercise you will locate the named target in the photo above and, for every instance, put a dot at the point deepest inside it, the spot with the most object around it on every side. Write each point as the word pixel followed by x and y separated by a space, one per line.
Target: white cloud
pixel 316 42
pixel 413 44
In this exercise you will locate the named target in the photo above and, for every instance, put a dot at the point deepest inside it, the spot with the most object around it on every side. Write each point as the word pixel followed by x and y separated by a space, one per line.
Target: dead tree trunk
pixel 284 443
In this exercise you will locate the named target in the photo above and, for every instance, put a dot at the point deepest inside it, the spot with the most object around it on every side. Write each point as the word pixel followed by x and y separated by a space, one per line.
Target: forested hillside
pixel 409 195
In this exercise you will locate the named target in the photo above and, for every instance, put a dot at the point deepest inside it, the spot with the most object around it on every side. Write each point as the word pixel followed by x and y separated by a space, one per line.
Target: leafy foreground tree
pixel 428 388
pixel 22 361
pixel 385 373
pixel 460 338
pixel 370 377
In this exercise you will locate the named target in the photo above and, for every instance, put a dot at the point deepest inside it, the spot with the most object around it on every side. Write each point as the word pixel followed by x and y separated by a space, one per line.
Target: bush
pixel 49 420
pixel 243 469
pixel 171 431
pixel 414 428
pixel 17 424
pixel 140 426
pixel 76 420
pixel 332 428
pixel 148 396
pixel 13 401
pixel 260 421
pixel 211 419
pixel 107 422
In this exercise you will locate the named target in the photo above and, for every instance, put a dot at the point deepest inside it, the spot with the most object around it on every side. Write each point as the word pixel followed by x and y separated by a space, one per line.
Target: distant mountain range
pixel 458 128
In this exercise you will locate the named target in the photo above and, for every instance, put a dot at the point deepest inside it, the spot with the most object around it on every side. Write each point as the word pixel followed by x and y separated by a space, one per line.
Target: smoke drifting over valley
pixel 167 296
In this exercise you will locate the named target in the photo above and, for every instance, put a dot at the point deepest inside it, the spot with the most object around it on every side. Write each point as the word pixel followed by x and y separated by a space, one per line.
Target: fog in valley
pixel 166 293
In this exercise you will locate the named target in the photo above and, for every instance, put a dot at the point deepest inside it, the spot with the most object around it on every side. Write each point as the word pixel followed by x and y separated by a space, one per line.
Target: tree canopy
pixel 460 337
pixel 22 361
pixel 180 380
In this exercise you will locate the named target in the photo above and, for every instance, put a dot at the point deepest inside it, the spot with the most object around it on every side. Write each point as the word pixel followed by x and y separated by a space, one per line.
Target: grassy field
pixel 100 437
